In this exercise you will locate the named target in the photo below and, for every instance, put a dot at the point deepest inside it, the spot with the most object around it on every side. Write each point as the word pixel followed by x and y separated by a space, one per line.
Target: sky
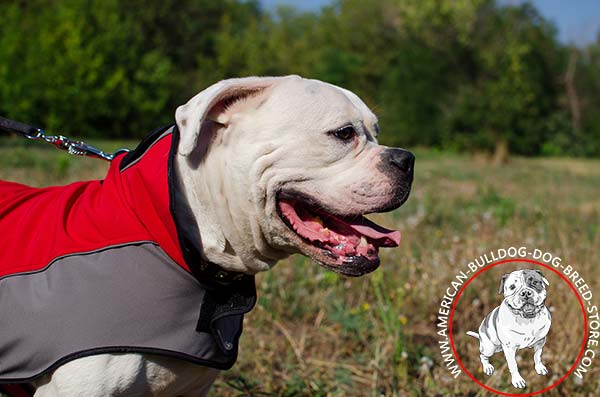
pixel 578 21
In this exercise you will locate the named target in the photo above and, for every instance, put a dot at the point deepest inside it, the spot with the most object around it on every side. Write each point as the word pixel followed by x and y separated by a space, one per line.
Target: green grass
pixel 314 333
pixel 40 164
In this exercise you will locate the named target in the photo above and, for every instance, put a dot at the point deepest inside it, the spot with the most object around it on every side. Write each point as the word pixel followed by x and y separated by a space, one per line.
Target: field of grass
pixel 314 333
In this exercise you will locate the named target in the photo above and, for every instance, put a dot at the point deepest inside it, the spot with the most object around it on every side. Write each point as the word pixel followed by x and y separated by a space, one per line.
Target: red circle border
pixel 451 337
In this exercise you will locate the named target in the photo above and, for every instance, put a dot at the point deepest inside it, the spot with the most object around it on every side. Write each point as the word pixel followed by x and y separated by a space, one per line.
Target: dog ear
pixel 502 281
pixel 211 104
pixel 543 278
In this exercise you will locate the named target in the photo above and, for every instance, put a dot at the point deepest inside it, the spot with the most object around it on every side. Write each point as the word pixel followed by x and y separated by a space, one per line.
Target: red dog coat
pixel 106 266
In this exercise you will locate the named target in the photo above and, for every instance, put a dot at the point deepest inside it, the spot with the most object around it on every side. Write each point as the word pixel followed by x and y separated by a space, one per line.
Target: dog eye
pixel 512 286
pixel 345 133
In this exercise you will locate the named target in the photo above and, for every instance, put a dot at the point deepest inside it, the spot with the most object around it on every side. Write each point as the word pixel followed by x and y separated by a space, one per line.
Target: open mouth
pixel 348 245
pixel 529 309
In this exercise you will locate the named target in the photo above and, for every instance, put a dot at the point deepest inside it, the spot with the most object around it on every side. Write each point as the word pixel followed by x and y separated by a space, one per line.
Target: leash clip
pixel 76 148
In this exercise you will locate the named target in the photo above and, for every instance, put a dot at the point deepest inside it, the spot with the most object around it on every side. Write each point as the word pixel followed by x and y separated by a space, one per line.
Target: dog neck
pixel 217 237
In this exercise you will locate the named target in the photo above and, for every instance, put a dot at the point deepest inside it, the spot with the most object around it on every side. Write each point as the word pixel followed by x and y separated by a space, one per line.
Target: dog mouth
pixel 529 309
pixel 348 245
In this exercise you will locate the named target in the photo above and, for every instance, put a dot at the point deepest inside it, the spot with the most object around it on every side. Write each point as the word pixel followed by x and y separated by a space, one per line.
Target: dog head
pixel 290 165
pixel 524 291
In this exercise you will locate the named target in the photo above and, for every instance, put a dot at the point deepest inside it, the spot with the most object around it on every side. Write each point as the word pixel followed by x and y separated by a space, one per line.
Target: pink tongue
pixel 307 228
pixel 384 237
pixel 376 234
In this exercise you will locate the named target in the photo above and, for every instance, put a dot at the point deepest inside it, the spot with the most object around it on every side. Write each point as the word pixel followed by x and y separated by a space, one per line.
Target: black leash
pixel 77 148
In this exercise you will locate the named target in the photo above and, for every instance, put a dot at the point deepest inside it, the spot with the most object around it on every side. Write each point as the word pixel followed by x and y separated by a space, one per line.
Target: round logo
pixel 518 327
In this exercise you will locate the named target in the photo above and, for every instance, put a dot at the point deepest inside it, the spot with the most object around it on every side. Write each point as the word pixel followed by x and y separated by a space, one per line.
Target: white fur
pixel 231 161
pixel 127 375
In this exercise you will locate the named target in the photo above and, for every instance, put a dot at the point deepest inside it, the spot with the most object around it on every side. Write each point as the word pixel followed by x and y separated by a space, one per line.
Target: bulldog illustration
pixel 521 321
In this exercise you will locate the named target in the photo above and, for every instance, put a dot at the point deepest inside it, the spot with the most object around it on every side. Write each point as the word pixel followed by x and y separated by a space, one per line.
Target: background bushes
pixel 459 75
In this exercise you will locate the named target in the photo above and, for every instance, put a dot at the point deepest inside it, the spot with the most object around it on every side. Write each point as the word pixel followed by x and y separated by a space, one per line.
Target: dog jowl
pixel 142 285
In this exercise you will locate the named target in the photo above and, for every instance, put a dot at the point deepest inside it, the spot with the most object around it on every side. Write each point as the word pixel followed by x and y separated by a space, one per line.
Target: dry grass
pixel 316 334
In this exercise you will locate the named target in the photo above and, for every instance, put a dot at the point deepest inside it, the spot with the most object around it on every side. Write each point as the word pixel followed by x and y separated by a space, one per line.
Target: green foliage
pixel 462 75
pixel 513 90
pixel 79 66
pixel 103 67
pixel 587 87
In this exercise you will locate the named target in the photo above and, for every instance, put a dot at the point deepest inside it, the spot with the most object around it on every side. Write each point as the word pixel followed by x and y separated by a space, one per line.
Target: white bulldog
pixel 521 321
pixel 270 166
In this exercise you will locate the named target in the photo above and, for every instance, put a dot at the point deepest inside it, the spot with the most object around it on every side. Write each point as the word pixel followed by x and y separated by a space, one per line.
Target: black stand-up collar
pixel 210 274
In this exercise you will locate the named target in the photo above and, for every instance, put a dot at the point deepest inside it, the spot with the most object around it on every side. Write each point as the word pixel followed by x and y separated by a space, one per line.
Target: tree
pixel 456 74
pixel 514 88
pixel 106 67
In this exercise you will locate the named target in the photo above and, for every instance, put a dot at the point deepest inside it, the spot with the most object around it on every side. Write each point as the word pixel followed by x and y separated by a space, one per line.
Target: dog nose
pixel 526 293
pixel 402 159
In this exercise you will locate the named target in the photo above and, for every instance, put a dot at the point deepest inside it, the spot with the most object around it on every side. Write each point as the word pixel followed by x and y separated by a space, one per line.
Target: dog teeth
pixel 318 220
pixel 363 242
pixel 325 232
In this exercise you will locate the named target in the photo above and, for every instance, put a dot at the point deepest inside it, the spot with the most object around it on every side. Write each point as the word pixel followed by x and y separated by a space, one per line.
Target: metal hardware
pixel 76 148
